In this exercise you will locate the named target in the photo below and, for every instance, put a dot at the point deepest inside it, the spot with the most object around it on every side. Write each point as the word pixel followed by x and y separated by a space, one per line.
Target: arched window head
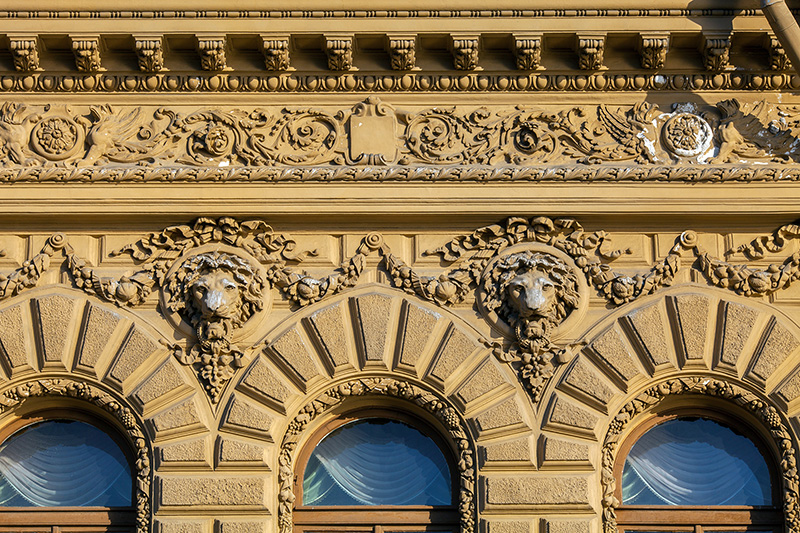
pixel 65 461
pixel 696 473
pixel 380 471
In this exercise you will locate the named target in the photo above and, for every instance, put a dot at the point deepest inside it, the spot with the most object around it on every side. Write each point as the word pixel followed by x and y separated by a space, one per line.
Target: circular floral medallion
pixel 687 135
pixel 56 138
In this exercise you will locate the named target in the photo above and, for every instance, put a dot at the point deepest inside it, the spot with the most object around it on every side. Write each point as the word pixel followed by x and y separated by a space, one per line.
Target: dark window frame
pixel 697 519
pixel 376 519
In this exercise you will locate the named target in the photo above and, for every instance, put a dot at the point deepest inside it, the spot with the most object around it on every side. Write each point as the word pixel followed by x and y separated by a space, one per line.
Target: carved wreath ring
pixel 651 397
pixel 438 407
pixel 133 429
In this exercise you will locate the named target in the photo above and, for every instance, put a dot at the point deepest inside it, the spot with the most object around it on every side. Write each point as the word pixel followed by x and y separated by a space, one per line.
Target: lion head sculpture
pixel 528 288
pixel 216 287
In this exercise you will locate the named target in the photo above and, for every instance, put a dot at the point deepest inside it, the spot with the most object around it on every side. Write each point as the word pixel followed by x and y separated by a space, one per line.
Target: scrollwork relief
pixel 125 416
pixel 438 407
pixel 748 401
pixel 688 143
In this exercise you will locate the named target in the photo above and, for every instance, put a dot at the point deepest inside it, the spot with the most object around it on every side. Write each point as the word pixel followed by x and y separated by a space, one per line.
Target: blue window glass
pixel 695 461
pixel 63 463
pixel 377 461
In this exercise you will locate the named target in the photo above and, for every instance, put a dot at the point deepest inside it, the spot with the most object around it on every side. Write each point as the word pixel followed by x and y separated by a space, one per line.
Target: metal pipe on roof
pixel 785 27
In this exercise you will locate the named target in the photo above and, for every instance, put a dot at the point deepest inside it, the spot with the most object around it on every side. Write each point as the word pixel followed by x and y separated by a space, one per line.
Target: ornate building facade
pixel 532 232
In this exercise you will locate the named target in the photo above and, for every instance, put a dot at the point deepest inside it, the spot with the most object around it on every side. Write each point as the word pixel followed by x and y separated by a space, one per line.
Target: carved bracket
pixel 339 50
pixel 212 53
pixel 716 50
pixel 591 49
pixel 25 52
pixel 528 51
pixel 653 48
pixel 465 51
pixel 86 50
pixel 149 53
pixel 276 53
pixel 402 51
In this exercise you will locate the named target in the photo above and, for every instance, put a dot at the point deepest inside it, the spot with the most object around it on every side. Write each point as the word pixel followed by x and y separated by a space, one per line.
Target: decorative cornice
pixel 133 430
pixel 439 407
pixel 391 81
pixel 650 398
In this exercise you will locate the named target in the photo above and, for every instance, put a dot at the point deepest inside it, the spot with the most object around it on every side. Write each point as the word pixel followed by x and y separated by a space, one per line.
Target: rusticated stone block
pixel 182 526
pixel 243 415
pixel 610 347
pixel 55 315
pixel 738 321
pixel 191 451
pixel 508 526
pixel 227 491
pixel 554 450
pixel 487 378
pixel 372 312
pixel 418 326
pixel 292 350
pixel 649 325
pixel 13 339
pixel 538 490
pixel 504 414
pixel 98 328
pixel 455 351
pixel 583 377
pixel 517 450
pixel 565 413
pixel 237 451
pixel 259 377
pixel 329 325
pixel 568 526
pixel 693 317
pixel 137 348
pixel 182 415
pixel 160 383
pixel 779 344
pixel 231 526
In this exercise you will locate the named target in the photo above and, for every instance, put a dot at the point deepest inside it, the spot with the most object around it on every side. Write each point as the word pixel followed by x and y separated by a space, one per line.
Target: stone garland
pixel 651 397
pixel 125 416
pixel 42 143
pixel 447 415
pixel 214 355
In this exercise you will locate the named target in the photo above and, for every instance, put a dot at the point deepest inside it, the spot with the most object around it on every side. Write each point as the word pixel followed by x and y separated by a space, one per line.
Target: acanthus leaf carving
pixel 716 50
pixel 653 48
pixel 149 53
pixel 25 53
pixel 402 51
pixel 251 145
pixel 528 52
pixel 591 49
pixel 465 52
pixel 276 53
pixel 86 50
pixel 212 53
pixel 339 50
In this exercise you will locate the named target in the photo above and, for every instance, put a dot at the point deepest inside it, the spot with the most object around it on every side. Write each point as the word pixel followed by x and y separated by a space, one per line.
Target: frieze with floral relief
pixel 643 141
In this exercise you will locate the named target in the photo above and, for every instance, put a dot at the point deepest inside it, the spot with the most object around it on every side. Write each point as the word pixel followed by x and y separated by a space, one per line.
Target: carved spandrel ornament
pixel 216 293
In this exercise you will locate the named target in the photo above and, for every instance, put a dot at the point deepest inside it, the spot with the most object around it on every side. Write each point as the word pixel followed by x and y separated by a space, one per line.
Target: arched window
pixel 380 471
pixel 62 471
pixel 697 473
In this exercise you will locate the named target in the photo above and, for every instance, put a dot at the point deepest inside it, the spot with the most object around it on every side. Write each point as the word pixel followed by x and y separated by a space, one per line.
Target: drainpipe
pixel 785 28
